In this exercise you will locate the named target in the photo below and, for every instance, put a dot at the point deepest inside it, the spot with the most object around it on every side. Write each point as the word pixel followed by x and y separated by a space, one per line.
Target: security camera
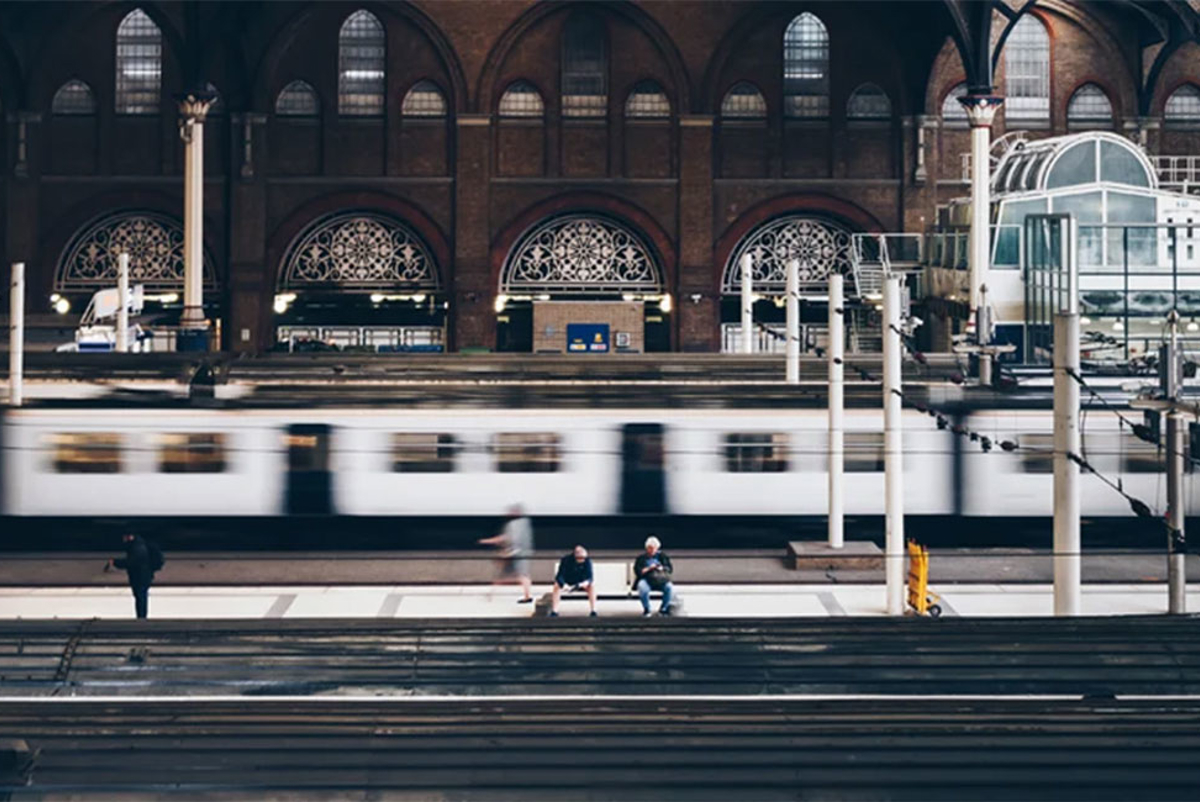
pixel 696 297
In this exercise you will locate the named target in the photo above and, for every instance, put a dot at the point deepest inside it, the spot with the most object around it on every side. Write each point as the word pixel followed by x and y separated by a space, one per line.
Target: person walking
pixel 515 544
pixel 575 572
pixel 652 571
pixel 142 560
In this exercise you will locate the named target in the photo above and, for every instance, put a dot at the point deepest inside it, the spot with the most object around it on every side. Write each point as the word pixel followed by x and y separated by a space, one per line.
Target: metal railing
pixel 874 255
pixel 1181 173
pixel 375 338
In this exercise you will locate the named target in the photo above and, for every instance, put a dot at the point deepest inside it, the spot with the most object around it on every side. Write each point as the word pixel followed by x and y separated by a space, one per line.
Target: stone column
pixel 469 282
pixel 193 108
pixel 698 313
pixel 981 110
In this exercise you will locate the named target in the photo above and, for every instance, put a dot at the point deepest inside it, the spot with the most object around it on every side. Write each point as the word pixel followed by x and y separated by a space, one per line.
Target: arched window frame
pixel 424 100
pixel 1089 107
pixel 1182 108
pixel 1027 72
pixel 298 99
pixel 806 68
pixel 74 99
pixel 584 67
pixel 869 103
pixel 362 66
pixel 744 101
pixel 954 114
pixel 521 100
pixel 139 59
pixel 647 101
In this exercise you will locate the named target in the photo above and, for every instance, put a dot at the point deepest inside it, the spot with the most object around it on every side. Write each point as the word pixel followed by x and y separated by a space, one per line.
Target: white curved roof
pixel 1089 157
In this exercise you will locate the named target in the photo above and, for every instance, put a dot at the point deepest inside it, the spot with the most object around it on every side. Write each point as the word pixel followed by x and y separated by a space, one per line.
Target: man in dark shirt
pixel 575 572
pixel 142 558
pixel 652 571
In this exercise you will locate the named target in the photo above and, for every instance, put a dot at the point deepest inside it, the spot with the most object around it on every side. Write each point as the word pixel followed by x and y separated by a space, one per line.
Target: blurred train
pixel 686 465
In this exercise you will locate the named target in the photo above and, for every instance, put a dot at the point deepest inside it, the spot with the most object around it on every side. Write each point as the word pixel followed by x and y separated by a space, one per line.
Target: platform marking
pixel 280 606
pixel 832 605
pixel 390 605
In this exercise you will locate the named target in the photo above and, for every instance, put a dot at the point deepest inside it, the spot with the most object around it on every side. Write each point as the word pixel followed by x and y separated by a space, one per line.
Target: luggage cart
pixel 921 599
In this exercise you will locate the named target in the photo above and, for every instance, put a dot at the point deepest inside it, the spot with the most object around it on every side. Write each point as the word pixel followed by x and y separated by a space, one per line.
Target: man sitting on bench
pixel 574 572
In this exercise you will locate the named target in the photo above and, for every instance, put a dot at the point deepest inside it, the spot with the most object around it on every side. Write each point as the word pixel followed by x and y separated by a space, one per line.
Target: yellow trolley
pixel 921 599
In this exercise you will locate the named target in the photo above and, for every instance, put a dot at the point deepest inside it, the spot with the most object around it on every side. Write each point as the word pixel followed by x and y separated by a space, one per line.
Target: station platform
pixel 476 602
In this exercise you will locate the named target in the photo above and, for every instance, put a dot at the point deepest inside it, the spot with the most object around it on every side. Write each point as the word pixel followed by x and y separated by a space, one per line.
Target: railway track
pixel 666 749
pixel 1087 657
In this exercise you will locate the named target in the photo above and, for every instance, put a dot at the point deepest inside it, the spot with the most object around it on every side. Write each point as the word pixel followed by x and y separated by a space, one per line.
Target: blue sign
pixel 587 338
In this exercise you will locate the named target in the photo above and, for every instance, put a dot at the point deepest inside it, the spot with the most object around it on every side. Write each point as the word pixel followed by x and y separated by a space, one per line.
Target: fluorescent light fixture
pixel 501 300
pixel 363 75
pixel 377 297
pixel 665 303
pixel 419 298
pixel 62 306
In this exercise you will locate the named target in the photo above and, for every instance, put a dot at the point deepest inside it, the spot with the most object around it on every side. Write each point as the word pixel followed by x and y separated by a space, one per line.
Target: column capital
pixel 194 106
pixel 981 109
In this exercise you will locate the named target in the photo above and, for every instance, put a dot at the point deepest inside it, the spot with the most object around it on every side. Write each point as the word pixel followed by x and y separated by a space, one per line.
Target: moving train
pixel 459 464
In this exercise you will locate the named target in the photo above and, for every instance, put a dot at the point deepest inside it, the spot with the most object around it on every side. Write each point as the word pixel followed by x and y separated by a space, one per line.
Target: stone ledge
pixel 857 555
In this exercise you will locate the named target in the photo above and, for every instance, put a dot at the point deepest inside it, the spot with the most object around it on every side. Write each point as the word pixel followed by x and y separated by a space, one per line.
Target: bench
pixel 613 582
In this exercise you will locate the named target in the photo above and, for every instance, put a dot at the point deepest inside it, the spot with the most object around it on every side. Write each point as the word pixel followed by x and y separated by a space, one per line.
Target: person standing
pixel 575 572
pixel 652 571
pixel 142 559
pixel 515 543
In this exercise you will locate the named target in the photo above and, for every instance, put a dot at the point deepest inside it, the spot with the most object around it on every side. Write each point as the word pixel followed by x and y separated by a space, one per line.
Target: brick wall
pixel 550 320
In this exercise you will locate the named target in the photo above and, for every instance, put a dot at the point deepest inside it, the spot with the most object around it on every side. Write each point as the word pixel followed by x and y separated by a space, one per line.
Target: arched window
pixel 139 65
pixel 1027 68
pixel 806 68
pixel 1183 106
pixel 581 253
pixel 522 99
pixel 297 99
pixel 153 241
pixel 953 112
pixel 359 252
pixel 73 98
pixel 1089 107
pixel 362 51
pixel 584 68
pixel 425 99
pixel 869 102
pixel 743 101
pixel 647 100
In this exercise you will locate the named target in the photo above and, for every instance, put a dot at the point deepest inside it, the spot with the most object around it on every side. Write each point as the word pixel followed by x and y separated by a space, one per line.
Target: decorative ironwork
pixel 359 252
pixel 581 253
pixel 155 246
pixel 820 246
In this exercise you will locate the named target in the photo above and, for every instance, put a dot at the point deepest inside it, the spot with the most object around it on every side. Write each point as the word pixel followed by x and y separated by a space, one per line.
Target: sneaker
pixel 665 612
pixel 525 601
pixel 553 614
pixel 646 614
pixel 593 614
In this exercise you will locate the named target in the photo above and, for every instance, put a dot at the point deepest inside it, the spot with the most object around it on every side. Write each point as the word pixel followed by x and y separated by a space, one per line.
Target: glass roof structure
pixel 1065 161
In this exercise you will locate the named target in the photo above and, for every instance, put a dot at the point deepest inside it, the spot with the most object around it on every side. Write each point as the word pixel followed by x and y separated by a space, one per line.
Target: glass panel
pixel 744 101
pixel 1090 106
pixel 1012 221
pixel 191 452
pixel 585 68
pixel 1077 165
pixel 528 452
pixel 421 452
pixel 869 102
pixel 1027 67
pixel 647 100
pixel 74 98
pixel 521 99
pixel 863 452
pixel 297 99
pixel 1183 106
pixel 756 453
pixel 425 99
pixel 952 110
pixel 139 65
pixel 86 452
pixel 1125 208
pixel 1087 211
pixel 1029 180
pixel 1037 453
pixel 806 68
pixel 1120 165
pixel 362 50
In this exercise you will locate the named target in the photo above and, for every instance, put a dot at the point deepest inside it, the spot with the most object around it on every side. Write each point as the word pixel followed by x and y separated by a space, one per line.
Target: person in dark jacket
pixel 574 571
pixel 652 571
pixel 142 558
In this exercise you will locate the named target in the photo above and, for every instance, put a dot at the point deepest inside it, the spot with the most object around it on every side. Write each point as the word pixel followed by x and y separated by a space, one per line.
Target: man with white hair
pixel 652 571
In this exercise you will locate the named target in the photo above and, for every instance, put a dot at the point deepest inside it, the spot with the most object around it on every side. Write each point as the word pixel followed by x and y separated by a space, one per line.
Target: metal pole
pixel 123 303
pixel 983 322
pixel 747 304
pixel 837 352
pixel 1066 473
pixel 1176 554
pixel 16 336
pixel 793 322
pixel 893 447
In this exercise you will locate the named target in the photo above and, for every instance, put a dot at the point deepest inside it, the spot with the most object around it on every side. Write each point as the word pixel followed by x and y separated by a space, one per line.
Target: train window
pixel 307 452
pixel 191 452
pixel 1138 456
pixel 527 452
pixel 423 452
pixel 862 452
pixel 86 452
pixel 1037 453
pixel 756 453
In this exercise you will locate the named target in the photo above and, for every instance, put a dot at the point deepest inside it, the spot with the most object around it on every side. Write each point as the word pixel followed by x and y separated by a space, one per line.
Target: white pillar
pixel 793 322
pixel 123 303
pixel 192 109
pixel 16 335
pixel 747 304
pixel 1176 498
pixel 980 111
pixel 893 447
pixel 837 352
pixel 1066 473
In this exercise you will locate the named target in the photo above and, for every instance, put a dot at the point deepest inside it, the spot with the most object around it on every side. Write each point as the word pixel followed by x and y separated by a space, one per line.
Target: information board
pixel 587 338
